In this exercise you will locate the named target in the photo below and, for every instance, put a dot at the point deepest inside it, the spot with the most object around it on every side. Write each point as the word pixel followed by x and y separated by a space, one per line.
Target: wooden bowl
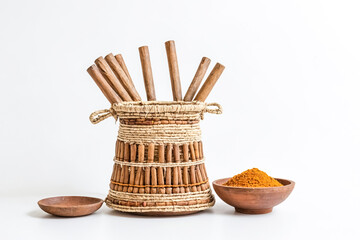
pixel 253 200
pixel 70 206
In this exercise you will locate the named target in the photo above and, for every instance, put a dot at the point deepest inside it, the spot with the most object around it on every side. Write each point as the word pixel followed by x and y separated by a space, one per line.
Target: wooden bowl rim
pixel 290 185
pixel 43 202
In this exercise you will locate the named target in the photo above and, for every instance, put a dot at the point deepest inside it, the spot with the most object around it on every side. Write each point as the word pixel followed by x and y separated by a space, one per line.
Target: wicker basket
pixel 159 162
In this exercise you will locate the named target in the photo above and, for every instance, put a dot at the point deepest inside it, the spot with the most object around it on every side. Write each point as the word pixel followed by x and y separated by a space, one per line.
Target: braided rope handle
pixel 217 110
pixel 101 115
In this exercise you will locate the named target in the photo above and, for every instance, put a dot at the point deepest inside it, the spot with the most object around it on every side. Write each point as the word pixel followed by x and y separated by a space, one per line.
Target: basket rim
pixel 159 107
pixel 148 108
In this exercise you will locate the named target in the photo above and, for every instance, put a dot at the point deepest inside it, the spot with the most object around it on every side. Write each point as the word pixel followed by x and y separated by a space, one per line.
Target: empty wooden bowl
pixel 253 200
pixel 70 206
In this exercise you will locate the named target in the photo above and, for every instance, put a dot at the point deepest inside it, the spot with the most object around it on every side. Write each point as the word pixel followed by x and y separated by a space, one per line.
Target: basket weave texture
pixel 159 160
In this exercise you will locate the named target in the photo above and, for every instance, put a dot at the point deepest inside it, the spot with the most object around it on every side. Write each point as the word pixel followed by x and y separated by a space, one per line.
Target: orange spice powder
pixel 252 178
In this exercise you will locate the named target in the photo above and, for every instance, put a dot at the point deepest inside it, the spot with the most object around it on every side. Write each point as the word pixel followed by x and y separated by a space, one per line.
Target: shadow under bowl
pixel 249 200
pixel 70 206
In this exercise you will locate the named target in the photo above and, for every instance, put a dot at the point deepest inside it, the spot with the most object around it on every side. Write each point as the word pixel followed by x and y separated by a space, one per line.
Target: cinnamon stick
pixel 196 150
pixel 104 86
pixel 176 169
pixel 180 169
pixel 174 70
pixel 192 168
pixel 113 175
pixel 201 151
pixel 122 76
pixel 141 151
pixel 204 175
pixel 111 78
pixel 137 175
pixel 132 169
pixel 209 83
pixel 199 75
pixel 202 166
pixel 112 186
pixel 168 170
pixel 151 149
pixel 153 180
pixel 117 176
pixel 147 73
pixel 126 172
pixel 195 168
pixel 186 169
pixel 200 179
pixel 199 173
pixel 153 169
pixel 182 189
pixel 160 171
pixel 120 177
pixel 142 190
pixel 121 61
pixel 116 167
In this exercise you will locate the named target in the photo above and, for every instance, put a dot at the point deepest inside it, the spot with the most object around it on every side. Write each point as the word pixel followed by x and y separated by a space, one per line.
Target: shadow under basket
pixel 159 161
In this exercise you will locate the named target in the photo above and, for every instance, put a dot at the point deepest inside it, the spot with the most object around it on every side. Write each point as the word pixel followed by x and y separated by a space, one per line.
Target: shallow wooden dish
pixel 253 200
pixel 70 206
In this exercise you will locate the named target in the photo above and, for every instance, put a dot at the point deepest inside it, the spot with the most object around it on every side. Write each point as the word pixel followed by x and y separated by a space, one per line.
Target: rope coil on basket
pixel 157 164
pixel 142 201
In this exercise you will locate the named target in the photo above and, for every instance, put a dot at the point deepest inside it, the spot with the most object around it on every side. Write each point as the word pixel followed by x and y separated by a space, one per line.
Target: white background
pixel 290 93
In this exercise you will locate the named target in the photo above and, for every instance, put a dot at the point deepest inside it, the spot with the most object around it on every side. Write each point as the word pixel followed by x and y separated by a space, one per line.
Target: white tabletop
pixel 295 218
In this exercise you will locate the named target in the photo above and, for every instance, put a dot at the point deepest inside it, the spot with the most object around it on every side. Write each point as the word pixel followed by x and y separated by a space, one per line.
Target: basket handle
pixel 101 115
pixel 208 109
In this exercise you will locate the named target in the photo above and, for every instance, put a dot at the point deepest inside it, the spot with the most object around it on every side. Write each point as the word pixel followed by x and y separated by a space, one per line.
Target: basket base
pixel 158 214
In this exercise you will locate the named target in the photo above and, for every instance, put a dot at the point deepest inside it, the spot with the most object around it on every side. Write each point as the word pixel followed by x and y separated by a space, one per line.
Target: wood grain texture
pixel 192 168
pixel 186 169
pixel 151 151
pixel 132 168
pixel 119 58
pixel 120 177
pixel 126 159
pixel 209 83
pixel 160 173
pixel 123 77
pixel 174 70
pixel 147 73
pixel 151 154
pixel 179 169
pixel 168 170
pixel 199 75
pixel 175 175
pixel 111 78
pixel 113 176
pixel 141 155
pixel 116 169
pixel 104 86
pixel 139 169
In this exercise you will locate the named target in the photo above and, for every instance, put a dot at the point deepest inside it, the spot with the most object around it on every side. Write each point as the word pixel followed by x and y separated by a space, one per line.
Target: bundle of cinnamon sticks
pixel 113 78
pixel 157 180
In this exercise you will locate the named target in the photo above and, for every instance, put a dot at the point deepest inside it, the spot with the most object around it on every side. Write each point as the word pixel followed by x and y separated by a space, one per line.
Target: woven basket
pixel 159 162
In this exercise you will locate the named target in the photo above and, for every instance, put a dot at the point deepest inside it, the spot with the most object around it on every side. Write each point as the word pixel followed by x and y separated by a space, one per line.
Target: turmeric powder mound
pixel 252 178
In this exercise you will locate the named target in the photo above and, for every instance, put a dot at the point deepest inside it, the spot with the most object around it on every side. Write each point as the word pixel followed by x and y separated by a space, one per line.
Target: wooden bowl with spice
pixel 253 191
